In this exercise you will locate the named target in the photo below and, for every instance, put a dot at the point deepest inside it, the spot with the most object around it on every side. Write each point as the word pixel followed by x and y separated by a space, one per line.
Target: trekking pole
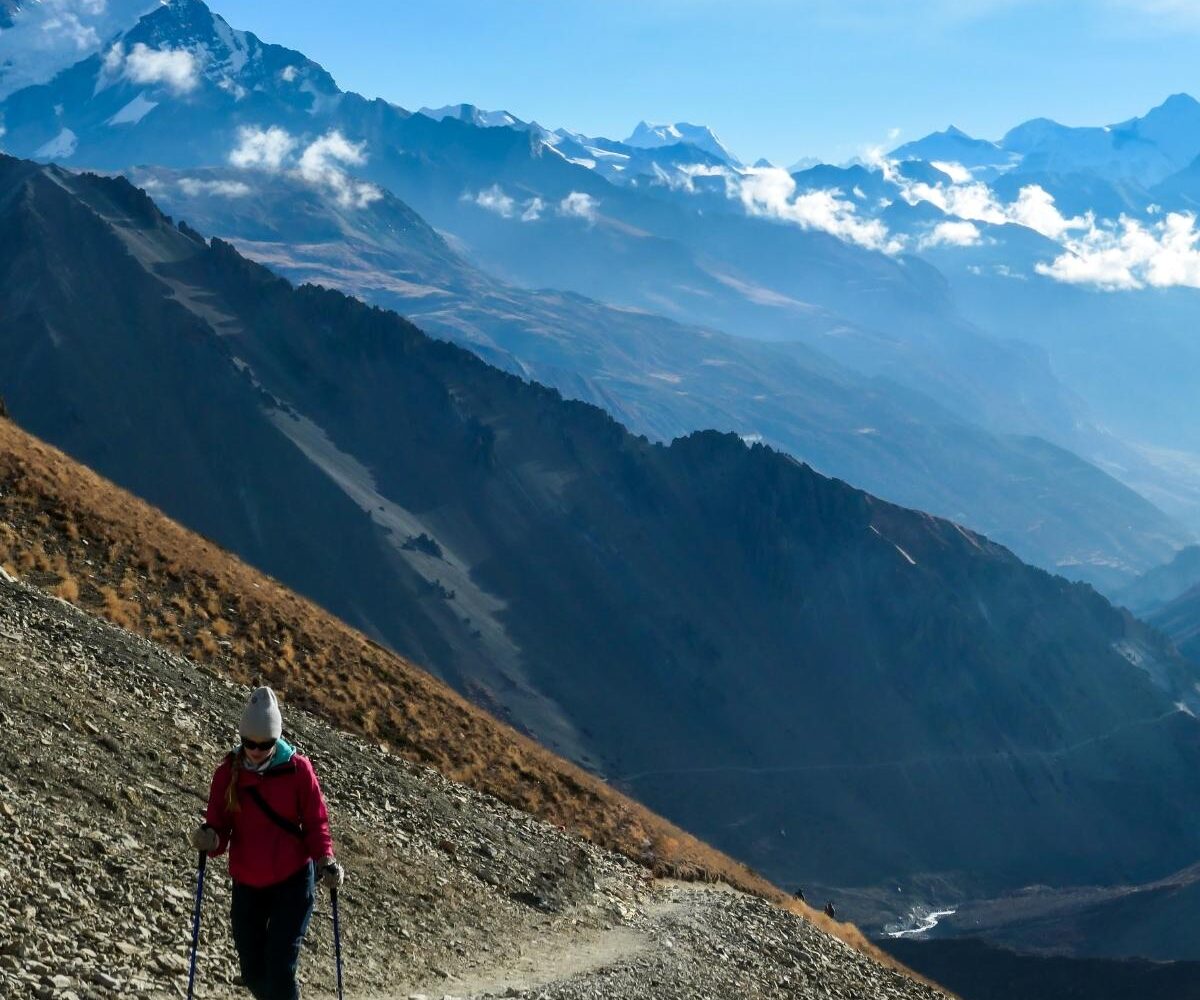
pixel 337 940
pixel 196 920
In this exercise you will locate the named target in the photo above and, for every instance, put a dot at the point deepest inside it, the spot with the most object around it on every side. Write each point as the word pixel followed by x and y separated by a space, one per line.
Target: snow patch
pixel 134 111
pixel 235 44
pixel 60 147
pixel 910 559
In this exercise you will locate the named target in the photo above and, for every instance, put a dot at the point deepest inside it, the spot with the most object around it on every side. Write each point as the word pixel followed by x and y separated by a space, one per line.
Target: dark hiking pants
pixel 268 929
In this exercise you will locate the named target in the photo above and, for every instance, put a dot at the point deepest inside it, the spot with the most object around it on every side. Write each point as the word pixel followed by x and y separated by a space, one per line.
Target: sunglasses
pixel 257 745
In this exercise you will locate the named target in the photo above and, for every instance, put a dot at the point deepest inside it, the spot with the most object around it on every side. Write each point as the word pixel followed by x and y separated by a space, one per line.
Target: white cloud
pixel 321 165
pixel 262 149
pixel 177 69
pixel 1035 209
pixel 1129 255
pixel 193 186
pixel 771 192
pixel 495 200
pixel 114 58
pixel 955 234
pixel 578 205
pixel 955 171
pixel 976 202
pixel 67 26
pixel 288 75
pixel 533 210
pixel 1113 256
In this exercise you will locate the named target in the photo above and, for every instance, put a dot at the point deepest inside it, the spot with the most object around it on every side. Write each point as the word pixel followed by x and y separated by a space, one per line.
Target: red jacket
pixel 261 852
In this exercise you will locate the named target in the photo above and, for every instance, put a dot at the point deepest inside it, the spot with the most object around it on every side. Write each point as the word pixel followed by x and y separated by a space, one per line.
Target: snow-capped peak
pixel 474 116
pixel 647 136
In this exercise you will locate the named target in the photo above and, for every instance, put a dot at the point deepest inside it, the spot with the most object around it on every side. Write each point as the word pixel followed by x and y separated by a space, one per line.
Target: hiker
pixel 799 894
pixel 265 806
pixel 829 911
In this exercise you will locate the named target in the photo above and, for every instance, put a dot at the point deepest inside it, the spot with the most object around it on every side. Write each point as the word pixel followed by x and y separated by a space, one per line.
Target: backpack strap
pixel 295 829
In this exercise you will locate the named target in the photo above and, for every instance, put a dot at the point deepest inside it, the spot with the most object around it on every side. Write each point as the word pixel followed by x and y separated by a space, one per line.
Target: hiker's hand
pixel 331 874
pixel 204 838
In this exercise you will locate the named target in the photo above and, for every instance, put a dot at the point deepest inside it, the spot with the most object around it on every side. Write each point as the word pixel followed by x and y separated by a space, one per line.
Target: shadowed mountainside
pixel 782 663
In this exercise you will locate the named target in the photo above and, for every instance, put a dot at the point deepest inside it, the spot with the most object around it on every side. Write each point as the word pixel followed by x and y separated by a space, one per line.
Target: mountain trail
pixel 110 742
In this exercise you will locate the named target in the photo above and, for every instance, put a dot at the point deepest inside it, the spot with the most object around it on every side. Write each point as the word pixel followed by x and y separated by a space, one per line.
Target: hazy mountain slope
pixel 1180 619
pixel 664 379
pixel 1164 583
pixel 764 653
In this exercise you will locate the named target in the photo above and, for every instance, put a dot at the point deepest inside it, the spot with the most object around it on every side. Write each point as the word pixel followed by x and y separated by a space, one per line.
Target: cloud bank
pixel 1129 255
pixel 771 192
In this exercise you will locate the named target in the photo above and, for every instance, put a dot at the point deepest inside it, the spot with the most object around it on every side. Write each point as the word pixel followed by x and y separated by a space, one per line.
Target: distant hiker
pixel 829 911
pixel 799 894
pixel 265 805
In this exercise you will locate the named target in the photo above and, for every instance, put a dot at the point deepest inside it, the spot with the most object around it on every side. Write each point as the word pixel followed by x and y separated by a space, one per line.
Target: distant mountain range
pixel 1146 150
pixel 870 694
pixel 666 379
pixel 538 209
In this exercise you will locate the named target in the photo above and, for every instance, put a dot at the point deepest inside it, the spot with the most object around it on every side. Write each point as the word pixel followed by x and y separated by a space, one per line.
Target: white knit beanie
pixel 261 719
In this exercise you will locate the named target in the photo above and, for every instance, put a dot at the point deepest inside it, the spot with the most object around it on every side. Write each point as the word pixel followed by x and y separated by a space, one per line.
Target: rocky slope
pixel 756 651
pixel 108 748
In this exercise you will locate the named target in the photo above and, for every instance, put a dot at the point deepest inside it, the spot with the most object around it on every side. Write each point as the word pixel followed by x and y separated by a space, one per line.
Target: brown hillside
pixel 69 530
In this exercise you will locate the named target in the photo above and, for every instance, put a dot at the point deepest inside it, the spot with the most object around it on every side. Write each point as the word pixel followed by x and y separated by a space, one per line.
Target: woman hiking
pixel 265 806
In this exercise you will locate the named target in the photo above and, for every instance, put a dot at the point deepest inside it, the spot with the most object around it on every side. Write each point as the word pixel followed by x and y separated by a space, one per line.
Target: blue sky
pixel 775 78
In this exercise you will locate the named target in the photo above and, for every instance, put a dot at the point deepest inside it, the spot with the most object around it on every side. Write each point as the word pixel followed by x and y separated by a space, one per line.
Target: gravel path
pixel 109 743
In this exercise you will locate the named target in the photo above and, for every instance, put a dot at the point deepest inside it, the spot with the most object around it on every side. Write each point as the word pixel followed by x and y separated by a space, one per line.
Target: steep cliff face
pixel 831 687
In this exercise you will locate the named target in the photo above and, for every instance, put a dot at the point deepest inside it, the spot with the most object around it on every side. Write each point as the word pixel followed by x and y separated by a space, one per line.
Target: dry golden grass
pixel 64 528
